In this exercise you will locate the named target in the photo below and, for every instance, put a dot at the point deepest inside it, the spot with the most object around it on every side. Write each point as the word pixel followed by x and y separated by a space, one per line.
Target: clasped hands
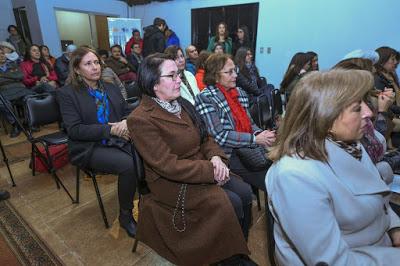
pixel 266 138
pixel 221 171
pixel 120 129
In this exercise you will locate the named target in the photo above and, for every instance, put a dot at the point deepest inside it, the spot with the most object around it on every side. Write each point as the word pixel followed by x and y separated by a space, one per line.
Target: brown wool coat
pixel 172 153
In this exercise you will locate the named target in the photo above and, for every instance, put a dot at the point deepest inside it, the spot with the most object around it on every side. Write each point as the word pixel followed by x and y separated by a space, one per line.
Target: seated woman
pixel 298 66
pixel 248 77
pixel 189 88
pixel 38 76
pixel 94 115
pixel 200 66
pixel 120 65
pixel 46 56
pixel 224 108
pixel 328 201
pixel 189 215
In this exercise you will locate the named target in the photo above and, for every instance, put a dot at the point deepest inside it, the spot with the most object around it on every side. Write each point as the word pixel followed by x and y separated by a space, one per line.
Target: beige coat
pixel 172 153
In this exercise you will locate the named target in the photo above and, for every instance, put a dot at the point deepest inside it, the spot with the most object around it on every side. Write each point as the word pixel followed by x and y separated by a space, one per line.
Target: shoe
pixel 127 222
pixel 4 194
pixel 15 131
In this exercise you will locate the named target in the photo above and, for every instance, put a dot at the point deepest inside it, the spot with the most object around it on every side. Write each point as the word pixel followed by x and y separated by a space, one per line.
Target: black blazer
pixel 78 110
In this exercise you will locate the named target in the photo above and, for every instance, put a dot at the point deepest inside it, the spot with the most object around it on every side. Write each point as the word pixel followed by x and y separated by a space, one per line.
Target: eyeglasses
pixel 174 76
pixel 231 71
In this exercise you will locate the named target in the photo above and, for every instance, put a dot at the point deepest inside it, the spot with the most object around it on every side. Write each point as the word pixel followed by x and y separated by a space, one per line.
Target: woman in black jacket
pixel 94 115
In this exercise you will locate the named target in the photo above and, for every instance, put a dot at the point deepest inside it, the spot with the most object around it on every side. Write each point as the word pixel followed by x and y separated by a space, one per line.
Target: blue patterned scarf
pixel 102 106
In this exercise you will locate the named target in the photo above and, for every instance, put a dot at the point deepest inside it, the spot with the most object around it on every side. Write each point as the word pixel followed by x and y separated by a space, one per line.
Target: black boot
pixel 127 222
pixel 15 131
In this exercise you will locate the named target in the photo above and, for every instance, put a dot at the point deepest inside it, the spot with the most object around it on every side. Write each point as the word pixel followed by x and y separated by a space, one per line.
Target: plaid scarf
pixel 102 106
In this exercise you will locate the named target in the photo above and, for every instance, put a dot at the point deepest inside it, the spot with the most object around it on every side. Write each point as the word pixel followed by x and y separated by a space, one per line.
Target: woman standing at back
pixel 221 36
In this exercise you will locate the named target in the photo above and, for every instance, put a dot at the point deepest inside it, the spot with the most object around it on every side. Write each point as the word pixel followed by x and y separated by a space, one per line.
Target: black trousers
pixel 240 195
pixel 112 160
pixel 254 178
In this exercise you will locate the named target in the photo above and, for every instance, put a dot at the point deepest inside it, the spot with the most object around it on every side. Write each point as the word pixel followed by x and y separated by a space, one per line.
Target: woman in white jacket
pixel 326 196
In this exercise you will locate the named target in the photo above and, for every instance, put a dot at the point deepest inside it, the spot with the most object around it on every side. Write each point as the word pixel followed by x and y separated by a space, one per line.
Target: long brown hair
pixel 226 34
pixel 76 58
pixel 295 65
pixel 319 99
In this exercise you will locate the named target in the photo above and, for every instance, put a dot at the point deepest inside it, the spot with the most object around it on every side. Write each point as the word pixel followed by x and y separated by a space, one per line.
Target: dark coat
pixel 78 110
pixel 153 40
pixel 119 67
pixel 173 155
pixel 11 86
pixel 62 69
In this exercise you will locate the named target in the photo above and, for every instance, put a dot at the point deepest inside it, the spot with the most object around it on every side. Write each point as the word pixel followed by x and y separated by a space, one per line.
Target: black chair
pixel 43 109
pixel 261 112
pixel 133 94
pixel 277 104
pixel 143 189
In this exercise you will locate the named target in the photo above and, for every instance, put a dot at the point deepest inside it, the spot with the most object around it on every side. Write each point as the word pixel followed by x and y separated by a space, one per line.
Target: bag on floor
pixel 59 154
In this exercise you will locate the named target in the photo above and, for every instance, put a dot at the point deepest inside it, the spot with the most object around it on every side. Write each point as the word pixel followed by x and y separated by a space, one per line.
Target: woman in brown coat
pixel 189 215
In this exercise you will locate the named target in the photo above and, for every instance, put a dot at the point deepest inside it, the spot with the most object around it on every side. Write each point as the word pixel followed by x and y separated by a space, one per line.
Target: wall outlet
pixel 269 50
pixel 261 50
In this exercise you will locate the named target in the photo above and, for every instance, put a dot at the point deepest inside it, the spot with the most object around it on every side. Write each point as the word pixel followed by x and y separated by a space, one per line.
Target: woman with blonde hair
pixel 328 201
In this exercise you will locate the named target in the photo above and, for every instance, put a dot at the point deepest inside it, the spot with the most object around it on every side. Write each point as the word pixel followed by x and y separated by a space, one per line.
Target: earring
pixel 79 78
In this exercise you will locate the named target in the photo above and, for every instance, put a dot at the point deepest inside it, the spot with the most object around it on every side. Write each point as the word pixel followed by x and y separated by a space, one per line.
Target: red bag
pixel 59 153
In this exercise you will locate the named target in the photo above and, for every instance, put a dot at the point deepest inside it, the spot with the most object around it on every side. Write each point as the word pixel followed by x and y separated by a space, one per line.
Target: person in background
pixel 12 89
pixel 153 38
pixel 298 66
pixel 200 69
pixel 135 39
pixel 328 201
pixel 38 75
pixel 120 65
pixel 242 40
pixel 136 56
pixel 219 48
pixel 189 88
pixel 17 40
pixel 191 58
pixel 221 36
pixel 62 63
pixel 10 52
pixel 314 61
pixel 46 56
pixel 186 173
pixel 171 38
pixel 108 75
pixel 94 114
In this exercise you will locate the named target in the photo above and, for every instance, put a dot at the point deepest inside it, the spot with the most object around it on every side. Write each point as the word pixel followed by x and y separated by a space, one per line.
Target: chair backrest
pixel 132 90
pixel 42 109
pixel 261 112
pixel 277 106
pixel 138 161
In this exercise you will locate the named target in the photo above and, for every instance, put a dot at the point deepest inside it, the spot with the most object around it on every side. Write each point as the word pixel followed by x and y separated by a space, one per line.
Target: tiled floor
pixel 75 232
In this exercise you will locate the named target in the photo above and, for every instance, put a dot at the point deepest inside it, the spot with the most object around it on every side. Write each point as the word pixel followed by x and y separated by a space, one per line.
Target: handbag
pixel 254 158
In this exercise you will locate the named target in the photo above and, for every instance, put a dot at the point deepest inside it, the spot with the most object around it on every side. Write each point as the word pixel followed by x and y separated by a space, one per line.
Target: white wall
pixel 6 18
pixel 330 28
pixel 47 19
pixel 67 20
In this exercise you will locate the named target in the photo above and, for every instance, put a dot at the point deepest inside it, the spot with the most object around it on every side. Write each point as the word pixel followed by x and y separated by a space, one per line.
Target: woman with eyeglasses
pixel 196 213
pixel 189 88
pixel 224 108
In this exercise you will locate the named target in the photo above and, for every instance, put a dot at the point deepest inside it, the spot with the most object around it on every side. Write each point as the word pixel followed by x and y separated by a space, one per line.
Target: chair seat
pixel 54 138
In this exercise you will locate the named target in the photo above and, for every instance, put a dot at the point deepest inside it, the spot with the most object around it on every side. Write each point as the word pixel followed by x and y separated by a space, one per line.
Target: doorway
pixel 204 21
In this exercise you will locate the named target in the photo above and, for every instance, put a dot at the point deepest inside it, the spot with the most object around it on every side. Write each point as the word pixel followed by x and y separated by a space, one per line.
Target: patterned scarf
pixel 354 148
pixel 372 144
pixel 102 106
pixel 239 114
pixel 172 107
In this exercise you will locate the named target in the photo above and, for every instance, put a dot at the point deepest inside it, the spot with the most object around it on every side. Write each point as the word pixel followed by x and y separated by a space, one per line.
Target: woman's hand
pixel 266 138
pixel 123 60
pixel 385 100
pixel 120 129
pixel 221 171
pixel 395 236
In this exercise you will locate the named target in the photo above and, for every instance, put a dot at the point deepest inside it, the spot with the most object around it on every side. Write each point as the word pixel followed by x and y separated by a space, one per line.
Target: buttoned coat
pixel 173 156
pixel 335 212
pixel 214 108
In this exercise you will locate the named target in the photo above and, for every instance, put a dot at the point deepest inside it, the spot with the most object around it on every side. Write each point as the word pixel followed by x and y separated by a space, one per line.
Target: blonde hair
pixel 317 100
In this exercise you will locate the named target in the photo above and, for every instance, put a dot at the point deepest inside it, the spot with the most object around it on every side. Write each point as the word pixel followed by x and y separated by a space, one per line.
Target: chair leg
pixel 77 185
pixel 257 193
pixel 33 161
pixel 270 233
pixel 135 244
pixel 103 212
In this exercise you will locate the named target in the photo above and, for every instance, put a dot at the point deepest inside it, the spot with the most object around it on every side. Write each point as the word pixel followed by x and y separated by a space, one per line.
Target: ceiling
pixel 141 2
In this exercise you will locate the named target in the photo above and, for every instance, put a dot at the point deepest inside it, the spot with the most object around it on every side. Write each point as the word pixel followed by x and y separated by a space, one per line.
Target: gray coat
pixel 335 212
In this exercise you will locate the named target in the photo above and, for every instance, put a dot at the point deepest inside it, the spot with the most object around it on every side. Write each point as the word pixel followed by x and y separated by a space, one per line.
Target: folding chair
pixel 43 109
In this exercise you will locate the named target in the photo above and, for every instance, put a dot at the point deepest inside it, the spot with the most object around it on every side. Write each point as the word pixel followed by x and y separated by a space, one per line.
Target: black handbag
pixel 254 158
